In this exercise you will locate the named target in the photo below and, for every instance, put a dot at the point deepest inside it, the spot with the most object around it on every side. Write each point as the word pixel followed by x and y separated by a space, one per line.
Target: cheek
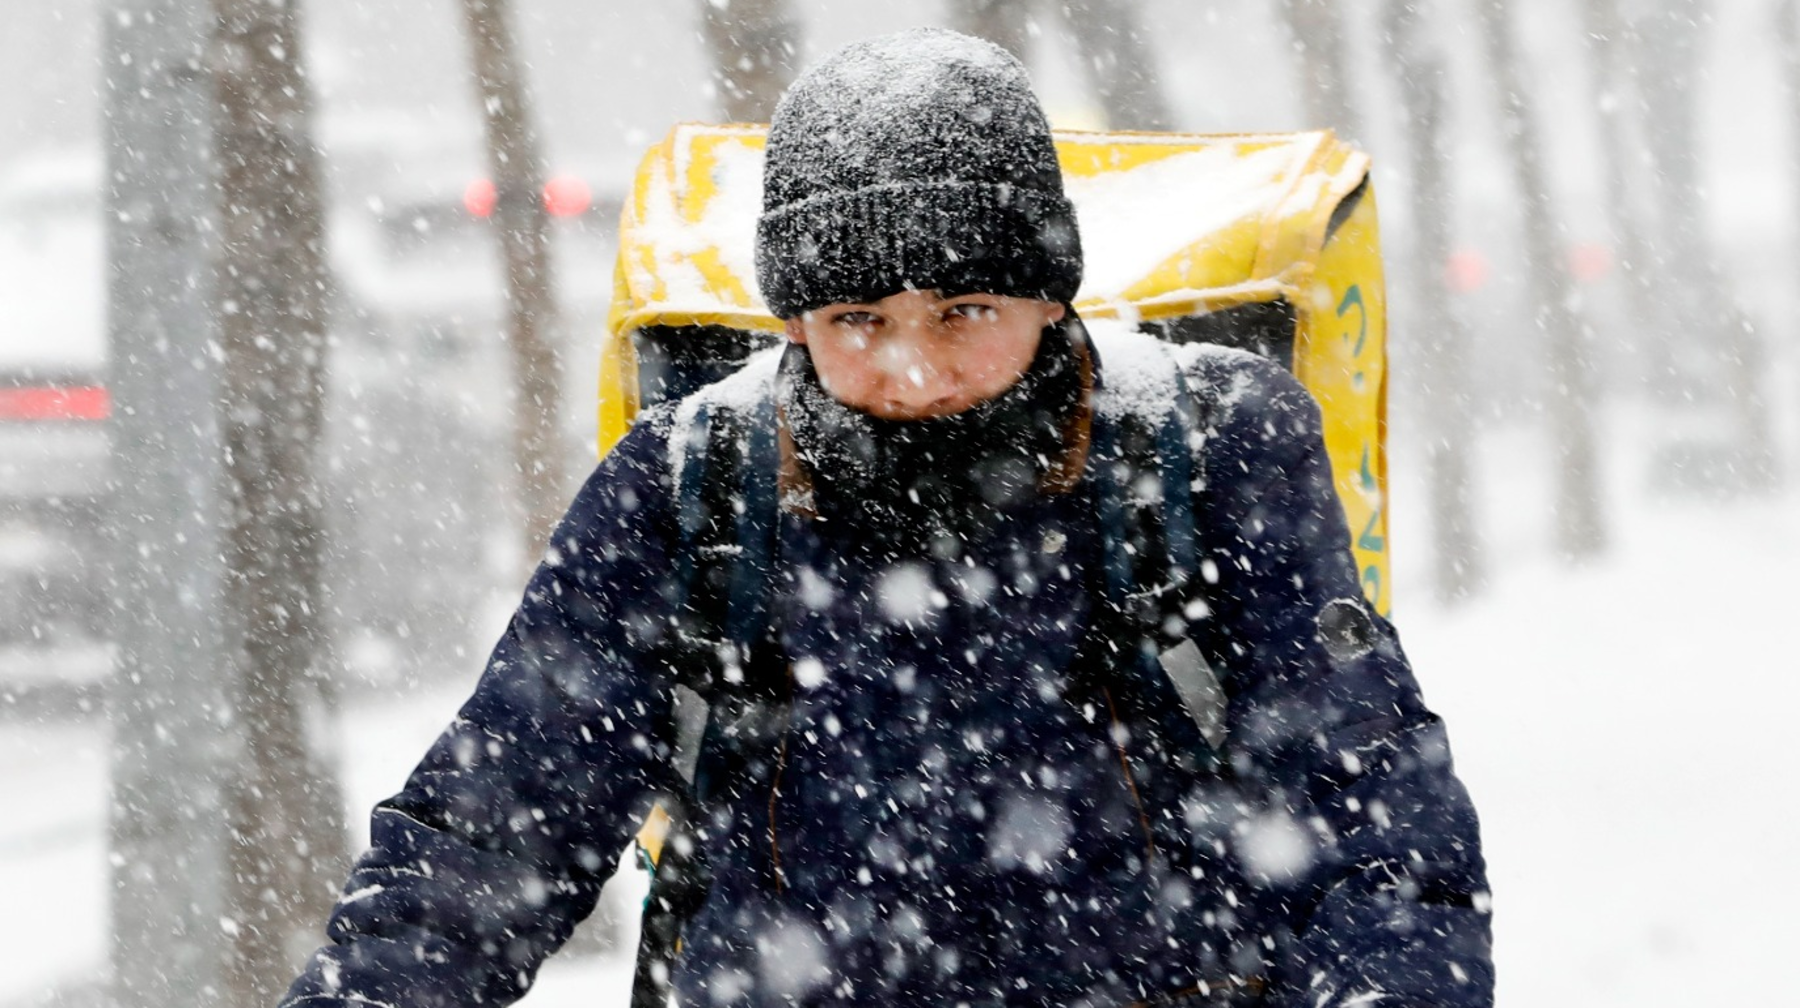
pixel 1007 356
pixel 842 368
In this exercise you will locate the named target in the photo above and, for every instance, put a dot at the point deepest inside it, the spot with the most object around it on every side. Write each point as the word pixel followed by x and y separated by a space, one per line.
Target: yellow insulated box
pixel 1267 242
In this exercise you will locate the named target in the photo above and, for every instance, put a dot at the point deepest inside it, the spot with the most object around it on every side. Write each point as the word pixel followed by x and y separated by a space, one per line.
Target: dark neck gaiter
pixel 922 486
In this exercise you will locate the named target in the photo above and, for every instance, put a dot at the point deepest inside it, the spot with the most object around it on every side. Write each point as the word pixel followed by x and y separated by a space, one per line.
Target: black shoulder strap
pixel 1144 498
pixel 727 513
pixel 725 475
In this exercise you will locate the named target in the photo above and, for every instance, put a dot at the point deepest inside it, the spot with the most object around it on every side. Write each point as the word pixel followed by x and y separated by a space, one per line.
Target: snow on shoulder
pixel 741 391
pixel 1136 372
pixel 1137 377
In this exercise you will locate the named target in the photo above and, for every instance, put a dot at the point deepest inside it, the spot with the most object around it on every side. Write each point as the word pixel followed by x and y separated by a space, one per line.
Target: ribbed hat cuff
pixel 863 245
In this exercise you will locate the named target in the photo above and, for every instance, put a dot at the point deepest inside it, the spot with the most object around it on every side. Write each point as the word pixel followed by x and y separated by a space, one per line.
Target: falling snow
pixel 1620 721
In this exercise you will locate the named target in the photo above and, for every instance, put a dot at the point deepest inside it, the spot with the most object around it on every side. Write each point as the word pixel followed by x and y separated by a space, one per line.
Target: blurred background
pixel 273 464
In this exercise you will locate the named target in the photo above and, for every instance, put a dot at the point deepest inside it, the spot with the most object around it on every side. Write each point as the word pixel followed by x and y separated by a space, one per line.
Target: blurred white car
pixel 54 402
pixel 416 463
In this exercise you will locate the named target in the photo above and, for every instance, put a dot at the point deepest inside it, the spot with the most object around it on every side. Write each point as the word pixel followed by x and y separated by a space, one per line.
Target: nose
pixel 915 385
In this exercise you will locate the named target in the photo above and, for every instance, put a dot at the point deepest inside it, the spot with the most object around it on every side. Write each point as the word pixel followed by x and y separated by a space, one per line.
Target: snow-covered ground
pixel 1623 727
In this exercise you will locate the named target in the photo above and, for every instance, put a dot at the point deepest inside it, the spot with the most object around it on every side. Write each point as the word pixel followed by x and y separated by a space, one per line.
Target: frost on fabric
pixel 906 67
pixel 882 88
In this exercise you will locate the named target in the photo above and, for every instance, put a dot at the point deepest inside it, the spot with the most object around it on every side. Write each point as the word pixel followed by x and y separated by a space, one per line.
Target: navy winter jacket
pixel 954 819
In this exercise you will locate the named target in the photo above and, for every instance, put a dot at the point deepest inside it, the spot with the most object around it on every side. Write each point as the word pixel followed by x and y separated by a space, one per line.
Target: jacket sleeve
pixel 1356 831
pixel 506 831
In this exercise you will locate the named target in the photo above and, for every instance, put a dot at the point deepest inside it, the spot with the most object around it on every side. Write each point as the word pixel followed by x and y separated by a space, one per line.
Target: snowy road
pixel 1626 731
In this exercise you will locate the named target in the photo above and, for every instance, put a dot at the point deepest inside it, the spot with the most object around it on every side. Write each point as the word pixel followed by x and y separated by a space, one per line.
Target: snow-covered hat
pixel 920 159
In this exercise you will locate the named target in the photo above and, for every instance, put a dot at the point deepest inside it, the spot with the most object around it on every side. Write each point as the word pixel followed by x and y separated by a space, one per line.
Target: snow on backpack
pixel 1267 243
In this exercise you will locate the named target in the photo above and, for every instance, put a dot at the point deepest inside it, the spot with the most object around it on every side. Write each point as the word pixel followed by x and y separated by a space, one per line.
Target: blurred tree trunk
pixel 1113 49
pixel 272 291
pixel 1787 32
pixel 1002 22
pixel 1580 528
pixel 1318 35
pixel 754 44
pixel 522 225
pixel 173 745
pixel 1787 35
pixel 1653 308
pixel 1717 351
pixel 1418 70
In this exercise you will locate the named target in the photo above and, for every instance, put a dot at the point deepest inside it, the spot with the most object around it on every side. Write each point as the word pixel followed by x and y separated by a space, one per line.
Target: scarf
pixel 918 487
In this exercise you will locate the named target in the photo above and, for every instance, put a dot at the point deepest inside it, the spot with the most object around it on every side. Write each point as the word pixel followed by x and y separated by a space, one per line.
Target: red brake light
pixel 479 198
pixel 89 402
pixel 567 196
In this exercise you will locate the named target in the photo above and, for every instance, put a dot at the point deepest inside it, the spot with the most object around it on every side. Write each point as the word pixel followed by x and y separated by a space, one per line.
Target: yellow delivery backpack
pixel 1264 242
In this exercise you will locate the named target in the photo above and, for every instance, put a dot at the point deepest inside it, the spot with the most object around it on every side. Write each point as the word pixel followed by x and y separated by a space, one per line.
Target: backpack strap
pixel 725 474
pixel 1143 498
pixel 729 682
pixel 753 568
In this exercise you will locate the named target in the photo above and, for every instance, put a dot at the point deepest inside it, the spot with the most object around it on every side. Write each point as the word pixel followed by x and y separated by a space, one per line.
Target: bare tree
pixel 1318 34
pixel 272 301
pixel 1580 528
pixel 1110 45
pixel 172 750
pixel 1002 22
pixel 522 225
pixel 754 44
pixel 1717 351
pixel 1417 65
pixel 1609 45
pixel 1786 15
pixel 1115 52
pixel 1787 32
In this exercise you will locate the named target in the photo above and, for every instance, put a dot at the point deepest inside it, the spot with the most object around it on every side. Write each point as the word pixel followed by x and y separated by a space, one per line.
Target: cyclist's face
pixel 919 354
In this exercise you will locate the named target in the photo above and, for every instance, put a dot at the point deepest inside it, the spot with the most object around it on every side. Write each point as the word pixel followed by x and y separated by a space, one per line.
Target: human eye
pixel 973 311
pixel 854 319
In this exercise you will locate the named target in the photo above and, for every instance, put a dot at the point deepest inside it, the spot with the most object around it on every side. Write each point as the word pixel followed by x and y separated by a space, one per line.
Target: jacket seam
pixel 1137 799
pixel 787 729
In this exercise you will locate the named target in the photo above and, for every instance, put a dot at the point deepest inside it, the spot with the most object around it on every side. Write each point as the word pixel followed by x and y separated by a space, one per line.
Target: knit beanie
pixel 915 160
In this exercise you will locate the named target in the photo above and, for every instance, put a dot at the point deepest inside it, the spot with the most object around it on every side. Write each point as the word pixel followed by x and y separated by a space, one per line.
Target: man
pixel 948 761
